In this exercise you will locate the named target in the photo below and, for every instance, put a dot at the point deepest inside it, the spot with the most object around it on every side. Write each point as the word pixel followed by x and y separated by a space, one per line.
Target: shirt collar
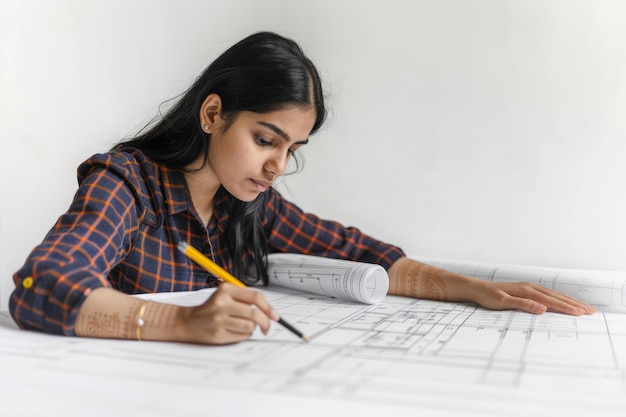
pixel 179 200
pixel 176 193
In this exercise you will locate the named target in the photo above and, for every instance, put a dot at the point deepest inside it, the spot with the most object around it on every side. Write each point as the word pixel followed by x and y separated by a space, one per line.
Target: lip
pixel 261 185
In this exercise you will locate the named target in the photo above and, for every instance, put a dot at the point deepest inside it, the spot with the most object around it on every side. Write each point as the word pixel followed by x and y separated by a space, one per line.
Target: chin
pixel 245 197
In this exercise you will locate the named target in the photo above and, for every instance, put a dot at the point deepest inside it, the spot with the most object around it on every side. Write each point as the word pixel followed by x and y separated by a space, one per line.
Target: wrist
pixel 463 288
pixel 161 322
pixel 181 331
pixel 140 320
pixel 415 279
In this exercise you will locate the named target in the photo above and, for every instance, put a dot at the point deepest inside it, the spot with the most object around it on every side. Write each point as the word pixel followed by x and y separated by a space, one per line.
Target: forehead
pixel 295 121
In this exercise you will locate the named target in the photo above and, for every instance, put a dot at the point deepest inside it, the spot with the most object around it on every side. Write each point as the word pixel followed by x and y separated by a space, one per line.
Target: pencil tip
pixel 306 339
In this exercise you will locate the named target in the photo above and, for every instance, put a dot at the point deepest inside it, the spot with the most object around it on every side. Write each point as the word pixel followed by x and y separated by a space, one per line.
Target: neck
pixel 202 185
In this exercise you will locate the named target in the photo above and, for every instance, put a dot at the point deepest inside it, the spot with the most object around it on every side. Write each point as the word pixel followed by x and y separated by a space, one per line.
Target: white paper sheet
pixel 401 357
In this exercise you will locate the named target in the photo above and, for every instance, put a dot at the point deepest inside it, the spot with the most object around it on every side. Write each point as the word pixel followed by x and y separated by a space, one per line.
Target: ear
pixel 210 113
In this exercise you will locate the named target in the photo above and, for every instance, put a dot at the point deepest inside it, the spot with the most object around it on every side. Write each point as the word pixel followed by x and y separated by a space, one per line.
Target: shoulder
pixel 275 208
pixel 273 201
pixel 127 164
pixel 130 176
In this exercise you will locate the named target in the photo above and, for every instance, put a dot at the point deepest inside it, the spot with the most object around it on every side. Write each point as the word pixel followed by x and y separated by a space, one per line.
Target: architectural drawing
pixel 349 280
pixel 403 354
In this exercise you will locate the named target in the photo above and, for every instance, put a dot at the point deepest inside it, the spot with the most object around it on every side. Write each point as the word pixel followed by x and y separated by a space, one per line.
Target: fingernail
pixel 274 315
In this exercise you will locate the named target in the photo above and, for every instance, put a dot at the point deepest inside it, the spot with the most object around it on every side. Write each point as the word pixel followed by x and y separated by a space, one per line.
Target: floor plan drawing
pixel 407 354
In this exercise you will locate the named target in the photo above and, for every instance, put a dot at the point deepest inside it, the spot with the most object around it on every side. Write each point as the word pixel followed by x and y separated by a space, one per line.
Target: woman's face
pixel 255 148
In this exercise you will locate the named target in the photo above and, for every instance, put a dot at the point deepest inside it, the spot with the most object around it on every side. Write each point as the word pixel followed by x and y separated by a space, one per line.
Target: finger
pixel 553 300
pixel 228 323
pixel 523 304
pixel 238 325
pixel 558 305
pixel 251 314
pixel 223 336
pixel 251 297
pixel 221 328
pixel 242 303
pixel 564 299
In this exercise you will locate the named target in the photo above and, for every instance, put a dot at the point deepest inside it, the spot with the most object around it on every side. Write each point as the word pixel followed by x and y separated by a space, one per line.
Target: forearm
pixel 107 313
pixel 414 279
pixel 411 278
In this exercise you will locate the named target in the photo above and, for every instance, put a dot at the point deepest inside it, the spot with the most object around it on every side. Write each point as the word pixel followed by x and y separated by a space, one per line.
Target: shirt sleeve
pixel 79 251
pixel 291 230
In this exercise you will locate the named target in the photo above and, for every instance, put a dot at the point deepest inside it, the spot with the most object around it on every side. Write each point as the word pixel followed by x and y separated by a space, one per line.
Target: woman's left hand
pixel 525 296
pixel 414 279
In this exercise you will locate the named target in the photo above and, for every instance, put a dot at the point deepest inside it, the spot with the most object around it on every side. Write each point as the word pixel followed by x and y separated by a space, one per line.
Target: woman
pixel 203 174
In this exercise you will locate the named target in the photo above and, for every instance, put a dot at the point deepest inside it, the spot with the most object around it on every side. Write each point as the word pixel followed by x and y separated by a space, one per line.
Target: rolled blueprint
pixel 357 281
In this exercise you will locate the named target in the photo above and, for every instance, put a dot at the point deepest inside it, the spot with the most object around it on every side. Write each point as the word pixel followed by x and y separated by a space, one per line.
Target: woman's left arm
pixel 414 279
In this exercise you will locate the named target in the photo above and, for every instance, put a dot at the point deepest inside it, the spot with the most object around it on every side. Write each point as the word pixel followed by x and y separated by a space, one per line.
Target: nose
pixel 277 164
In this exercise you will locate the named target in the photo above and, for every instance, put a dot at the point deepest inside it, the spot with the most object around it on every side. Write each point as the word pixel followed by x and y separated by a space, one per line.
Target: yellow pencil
pixel 197 256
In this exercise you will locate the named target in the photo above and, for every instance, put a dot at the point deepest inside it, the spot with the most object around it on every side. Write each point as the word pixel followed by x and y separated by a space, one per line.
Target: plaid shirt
pixel 122 229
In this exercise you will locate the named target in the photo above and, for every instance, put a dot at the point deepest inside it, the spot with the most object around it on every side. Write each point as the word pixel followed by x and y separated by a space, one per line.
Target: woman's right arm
pixel 80 250
pixel 230 315
pixel 64 284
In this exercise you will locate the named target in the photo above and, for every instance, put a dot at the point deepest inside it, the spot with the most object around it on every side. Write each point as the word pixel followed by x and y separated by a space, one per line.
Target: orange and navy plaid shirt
pixel 122 229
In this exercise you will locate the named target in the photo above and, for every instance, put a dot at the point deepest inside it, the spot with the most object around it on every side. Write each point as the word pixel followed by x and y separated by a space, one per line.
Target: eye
pixel 261 141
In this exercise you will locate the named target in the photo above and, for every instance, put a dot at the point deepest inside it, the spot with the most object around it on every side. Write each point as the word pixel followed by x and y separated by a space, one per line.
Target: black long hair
pixel 263 72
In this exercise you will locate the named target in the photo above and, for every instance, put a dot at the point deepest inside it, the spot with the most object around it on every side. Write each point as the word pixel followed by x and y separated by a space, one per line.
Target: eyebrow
pixel 281 133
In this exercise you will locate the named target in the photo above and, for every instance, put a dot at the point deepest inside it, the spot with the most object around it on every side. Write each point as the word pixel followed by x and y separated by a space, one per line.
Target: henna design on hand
pixel 419 280
pixel 104 325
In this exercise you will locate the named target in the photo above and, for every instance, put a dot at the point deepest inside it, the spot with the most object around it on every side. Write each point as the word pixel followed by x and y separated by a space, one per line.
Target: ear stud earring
pixel 206 127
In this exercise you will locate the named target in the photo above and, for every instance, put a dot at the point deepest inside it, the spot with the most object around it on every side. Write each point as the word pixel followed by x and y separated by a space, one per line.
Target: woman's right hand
pixel 230 315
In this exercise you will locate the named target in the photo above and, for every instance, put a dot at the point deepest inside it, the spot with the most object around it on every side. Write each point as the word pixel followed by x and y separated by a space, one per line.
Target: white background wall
pixel 490 130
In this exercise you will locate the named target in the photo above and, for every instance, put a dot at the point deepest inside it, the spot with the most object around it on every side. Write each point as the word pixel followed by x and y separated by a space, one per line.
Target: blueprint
pixel 356 281
pixel 400 356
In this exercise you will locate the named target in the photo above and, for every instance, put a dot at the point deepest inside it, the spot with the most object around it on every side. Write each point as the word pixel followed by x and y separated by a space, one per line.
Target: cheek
pixel 238 160
pixel 231 161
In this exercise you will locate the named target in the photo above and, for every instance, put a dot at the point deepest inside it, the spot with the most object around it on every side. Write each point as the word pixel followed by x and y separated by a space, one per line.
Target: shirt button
pixel 27 282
